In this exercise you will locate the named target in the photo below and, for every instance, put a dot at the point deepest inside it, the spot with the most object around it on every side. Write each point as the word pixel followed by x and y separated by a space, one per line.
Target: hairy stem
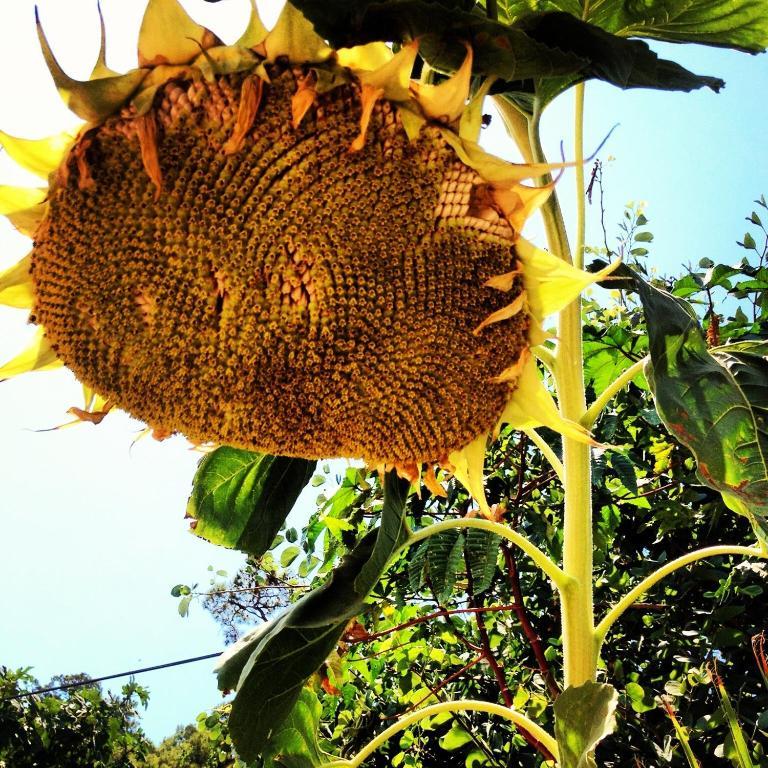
pixel 579 646
pixel 557 237
pixel 578 159
pixel 463 705
pixel 649 581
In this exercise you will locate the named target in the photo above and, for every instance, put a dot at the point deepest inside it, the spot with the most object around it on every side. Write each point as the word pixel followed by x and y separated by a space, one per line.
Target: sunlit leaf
pixel 715 402
pixel 456 738
pixel 240 498
pixel 584 716
pixel 741 24
pixel 272 665
pixel 294 743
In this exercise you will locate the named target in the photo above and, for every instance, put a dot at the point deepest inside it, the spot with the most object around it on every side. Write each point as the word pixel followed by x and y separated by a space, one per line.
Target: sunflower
pixel 285 248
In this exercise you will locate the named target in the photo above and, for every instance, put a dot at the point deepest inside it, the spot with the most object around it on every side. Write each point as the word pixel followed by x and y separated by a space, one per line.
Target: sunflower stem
pixel 463 705
pixel 578 159
pixel 580 647
pixel 660 573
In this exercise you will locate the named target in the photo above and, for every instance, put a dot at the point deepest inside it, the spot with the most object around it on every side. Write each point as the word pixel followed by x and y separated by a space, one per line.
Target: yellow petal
pixel 146 130
pixel 224 60
pixel 504 282
pixel 471 122
pixel 303 99
pixel 255 32
pixel 295 38
pixel 512 373
pixel 169 36
pixel 430 481
pixel 500 173
pixel 365 57
pixel 28 220
pixel 503 314
pixel 552 283
pixel 16 285
pixel 393 77
pixel 38 356
pixel 520 202
pixel 250 99
pixel 96 408
pixel 531 405
pixel 446 102
pixel 100 68
pixel 39 156
pixel 91 100
pixel 18 198
pixel 412 123
pixel 468 465
pixel 369 95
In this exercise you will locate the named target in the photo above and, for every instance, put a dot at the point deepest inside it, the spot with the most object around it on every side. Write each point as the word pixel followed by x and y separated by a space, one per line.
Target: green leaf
pixel 739 24
pixel 240 499
pixel 644 237
pixel 584 716
pixel 749 241
pixel 625 469
pixel 741 750
pixel 270 665
pixel 288 555
pixel 509 53
pixel 455 738
pixel 444 558
pixel 612 58
pixel 482 549
pixel 183 606
pixel 639 699
pixel 715 403
pixel 417 561
pixel 294 743
pixel 554 48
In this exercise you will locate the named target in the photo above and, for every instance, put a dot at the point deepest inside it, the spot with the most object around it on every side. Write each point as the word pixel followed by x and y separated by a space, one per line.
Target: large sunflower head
pixel 286 248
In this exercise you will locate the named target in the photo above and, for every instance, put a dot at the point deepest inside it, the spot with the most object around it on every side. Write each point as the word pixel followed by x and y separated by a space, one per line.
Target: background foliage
pixel 493 625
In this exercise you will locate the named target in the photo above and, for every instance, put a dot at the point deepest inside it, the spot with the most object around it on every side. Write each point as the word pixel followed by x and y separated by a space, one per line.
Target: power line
pixel 83 683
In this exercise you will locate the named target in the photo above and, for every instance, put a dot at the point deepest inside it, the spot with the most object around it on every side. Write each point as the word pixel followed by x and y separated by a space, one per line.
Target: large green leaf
pixel 241 498
pixel 293 744
pixel 482 549
pixel 538 46
pixel 740 24
pixel 269 667
pixel 714 401
pixel 584 716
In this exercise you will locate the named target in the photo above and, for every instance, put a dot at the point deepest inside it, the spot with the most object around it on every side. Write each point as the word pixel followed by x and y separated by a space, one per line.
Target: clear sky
pixel 92 535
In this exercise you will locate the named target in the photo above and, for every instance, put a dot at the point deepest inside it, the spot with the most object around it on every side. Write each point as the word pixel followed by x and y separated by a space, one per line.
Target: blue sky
pixel 93 535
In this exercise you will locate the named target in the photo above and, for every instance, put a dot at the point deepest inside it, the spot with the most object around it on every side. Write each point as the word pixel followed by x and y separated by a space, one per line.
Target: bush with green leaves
pixel 77 727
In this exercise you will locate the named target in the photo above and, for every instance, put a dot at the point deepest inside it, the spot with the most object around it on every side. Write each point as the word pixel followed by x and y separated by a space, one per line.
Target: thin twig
pixel 513 577
pixel 429 617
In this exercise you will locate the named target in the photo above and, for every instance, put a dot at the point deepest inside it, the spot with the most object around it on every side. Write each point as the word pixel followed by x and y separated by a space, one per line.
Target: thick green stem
pixel 557 237
pixel 579 644
pixel 518 718
pixel 578 159
pixel 649 581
